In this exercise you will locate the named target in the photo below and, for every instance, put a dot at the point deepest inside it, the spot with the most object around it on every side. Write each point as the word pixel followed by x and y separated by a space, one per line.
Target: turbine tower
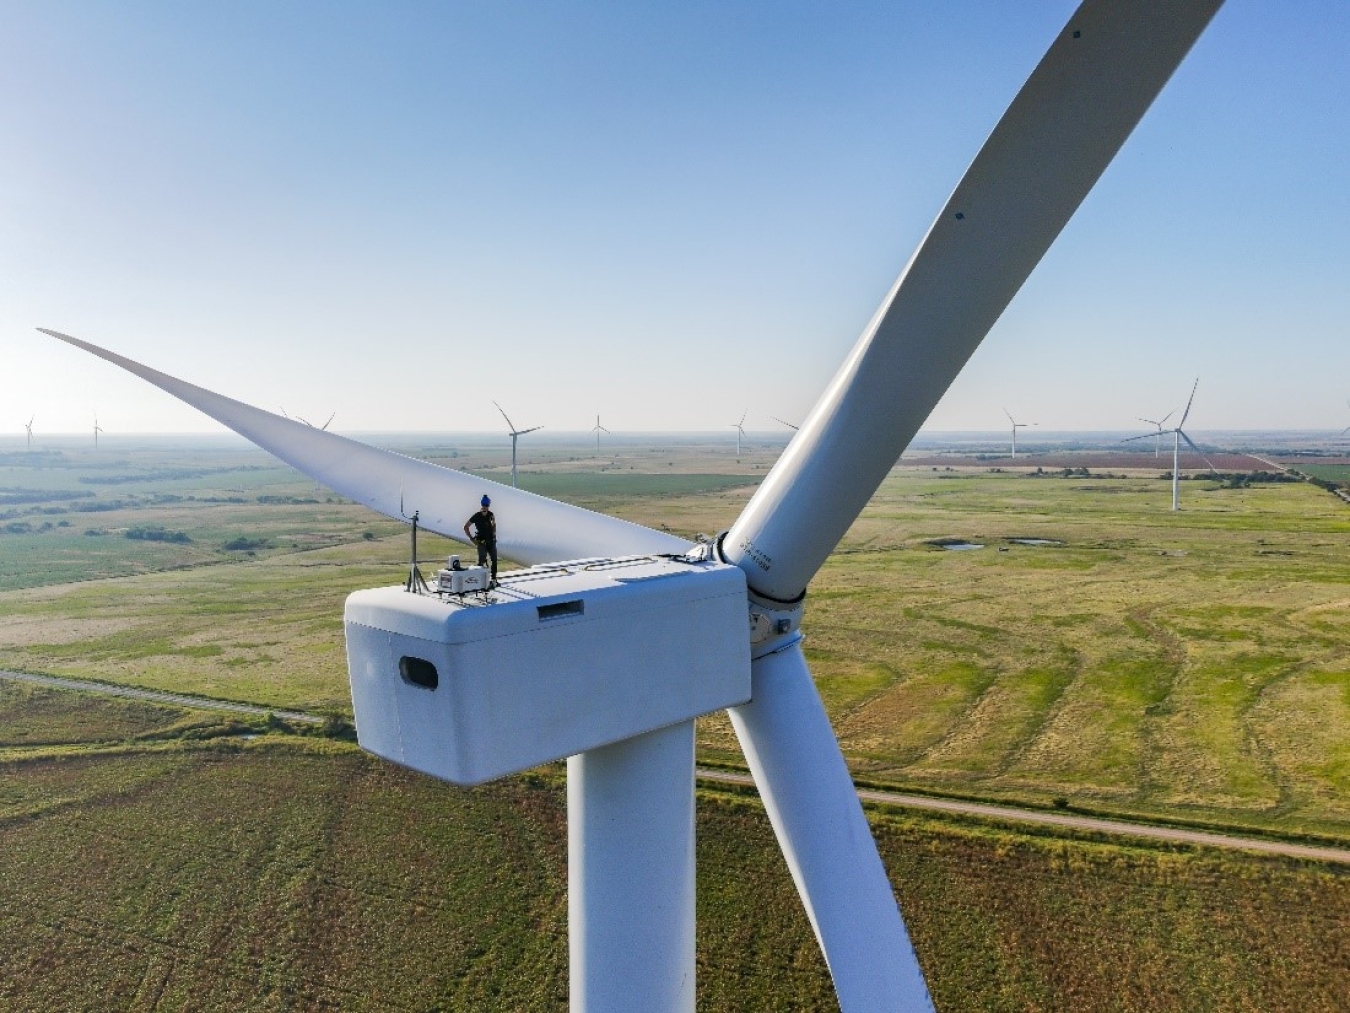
pixel 1157 443
pixel 740 432
pixel 97 429
pixel 517 433
pixel 29 426
pixel 630 802
pixel 598 429
pixel 1177 436
pixel 1016 426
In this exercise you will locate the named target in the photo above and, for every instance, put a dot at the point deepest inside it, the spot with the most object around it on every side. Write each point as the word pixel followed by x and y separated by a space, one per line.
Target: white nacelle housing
pixel 554 661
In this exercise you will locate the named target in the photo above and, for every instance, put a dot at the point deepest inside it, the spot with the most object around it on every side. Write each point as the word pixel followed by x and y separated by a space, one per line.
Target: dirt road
pixel 1287 849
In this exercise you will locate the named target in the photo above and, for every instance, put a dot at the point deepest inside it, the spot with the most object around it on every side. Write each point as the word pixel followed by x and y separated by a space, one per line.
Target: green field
pixel 1339 473
pixel 1191 667
pixel 300 874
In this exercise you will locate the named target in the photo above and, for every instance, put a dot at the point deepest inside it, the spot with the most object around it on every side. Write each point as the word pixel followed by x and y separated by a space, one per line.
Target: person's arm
pixel 466 530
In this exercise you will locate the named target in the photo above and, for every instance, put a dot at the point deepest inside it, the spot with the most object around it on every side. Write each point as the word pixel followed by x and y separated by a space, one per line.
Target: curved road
pixel 1286 849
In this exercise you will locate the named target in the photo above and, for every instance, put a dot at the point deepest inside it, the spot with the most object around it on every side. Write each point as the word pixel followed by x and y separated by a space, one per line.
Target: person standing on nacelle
pixel 484 534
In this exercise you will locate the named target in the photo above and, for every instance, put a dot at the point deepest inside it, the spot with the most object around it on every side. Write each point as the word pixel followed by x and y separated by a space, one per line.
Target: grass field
pixel 1339 473
pixel 1192 667
pixel 281 874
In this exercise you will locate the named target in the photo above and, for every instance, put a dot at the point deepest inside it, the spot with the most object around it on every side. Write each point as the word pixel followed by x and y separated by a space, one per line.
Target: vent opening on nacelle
pixel 558 609
pixel 419 672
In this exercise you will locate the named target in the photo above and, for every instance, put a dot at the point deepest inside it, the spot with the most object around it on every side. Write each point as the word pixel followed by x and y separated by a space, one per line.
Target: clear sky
pixel 665 213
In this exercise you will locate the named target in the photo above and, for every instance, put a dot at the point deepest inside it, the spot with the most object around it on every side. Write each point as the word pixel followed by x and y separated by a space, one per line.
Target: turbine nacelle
pixel 555 660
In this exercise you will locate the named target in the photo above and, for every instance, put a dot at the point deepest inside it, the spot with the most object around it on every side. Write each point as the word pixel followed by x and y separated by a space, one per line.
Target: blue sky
pixel 665 213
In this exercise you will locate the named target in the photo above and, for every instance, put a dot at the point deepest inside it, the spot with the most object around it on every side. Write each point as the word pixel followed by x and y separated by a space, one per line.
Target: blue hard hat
pixel 485 501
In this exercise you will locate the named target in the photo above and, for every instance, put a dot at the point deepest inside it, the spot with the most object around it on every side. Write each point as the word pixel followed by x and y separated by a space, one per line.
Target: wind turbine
pixel 516 433
pixel 324 426
pixel 97 429
pixel 1177 436
pixel 740 432
pixel 29 426
pixel 1343 431
pixel 1157 444
pixel 1016 426
pixel 630 804
pixel 598 429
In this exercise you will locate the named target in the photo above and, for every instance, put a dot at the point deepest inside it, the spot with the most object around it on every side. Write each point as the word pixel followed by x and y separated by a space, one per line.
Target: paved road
pixel 177 699
pixel 1122 828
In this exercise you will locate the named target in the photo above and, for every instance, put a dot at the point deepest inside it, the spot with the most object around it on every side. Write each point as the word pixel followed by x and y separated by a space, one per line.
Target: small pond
pixel 1035 541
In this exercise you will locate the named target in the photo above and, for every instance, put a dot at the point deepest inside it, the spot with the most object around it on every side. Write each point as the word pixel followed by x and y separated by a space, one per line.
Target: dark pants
pixel 486 549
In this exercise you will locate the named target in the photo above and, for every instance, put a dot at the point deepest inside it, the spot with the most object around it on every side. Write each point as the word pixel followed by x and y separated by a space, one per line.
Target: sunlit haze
pixel 669 215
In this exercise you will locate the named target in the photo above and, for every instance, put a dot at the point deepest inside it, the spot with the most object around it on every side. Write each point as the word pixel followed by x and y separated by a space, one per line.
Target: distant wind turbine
pixel 1157 445
pixel 1177 436
pixel 1343 431
pixel 516 433
pixel 29 426
pixel 311 425
pixel 740 432
pixel 97 429
pixel 1016 426
pixel 598 430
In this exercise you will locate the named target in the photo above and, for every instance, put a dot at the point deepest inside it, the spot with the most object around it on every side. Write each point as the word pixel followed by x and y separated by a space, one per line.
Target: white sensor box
pixel 553 661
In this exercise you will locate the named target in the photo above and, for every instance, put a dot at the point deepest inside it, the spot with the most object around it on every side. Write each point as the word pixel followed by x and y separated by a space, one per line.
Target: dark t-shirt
pixel 484 526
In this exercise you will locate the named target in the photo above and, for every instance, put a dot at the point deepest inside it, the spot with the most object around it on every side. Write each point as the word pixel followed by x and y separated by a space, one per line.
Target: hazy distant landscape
pixel 1097 654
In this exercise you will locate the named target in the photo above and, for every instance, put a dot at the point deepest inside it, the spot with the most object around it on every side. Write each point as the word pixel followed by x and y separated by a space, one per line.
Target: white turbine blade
pixel 1187 412
pixel 531 529
pixel 1056 138
pixel 331 417
pixel 1010 418
pixel 1191 444
pixel 533 429
pixel 509 424
pixel 1146 436
pixel 783 423
pixel 825 838
pixel 1168 415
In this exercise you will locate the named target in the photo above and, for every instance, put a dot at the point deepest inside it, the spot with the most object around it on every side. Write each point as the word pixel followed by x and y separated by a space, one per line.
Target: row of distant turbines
pixel 28 428
pixel 597 429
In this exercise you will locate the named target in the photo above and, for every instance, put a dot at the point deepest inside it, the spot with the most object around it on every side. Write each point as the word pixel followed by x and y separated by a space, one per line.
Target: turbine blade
pixel 1146 436
pixel 1187 412
pixel 1167 416
pixel 533 529
pixel 783 423
pixel 509 424
pixel 1043 157
pixel 331 417
pixel 1191 444
pixel 820 825
pixel 533 430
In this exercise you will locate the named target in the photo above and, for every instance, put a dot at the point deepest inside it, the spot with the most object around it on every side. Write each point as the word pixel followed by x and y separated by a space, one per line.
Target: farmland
pixel 1189 667
pixel 286 873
